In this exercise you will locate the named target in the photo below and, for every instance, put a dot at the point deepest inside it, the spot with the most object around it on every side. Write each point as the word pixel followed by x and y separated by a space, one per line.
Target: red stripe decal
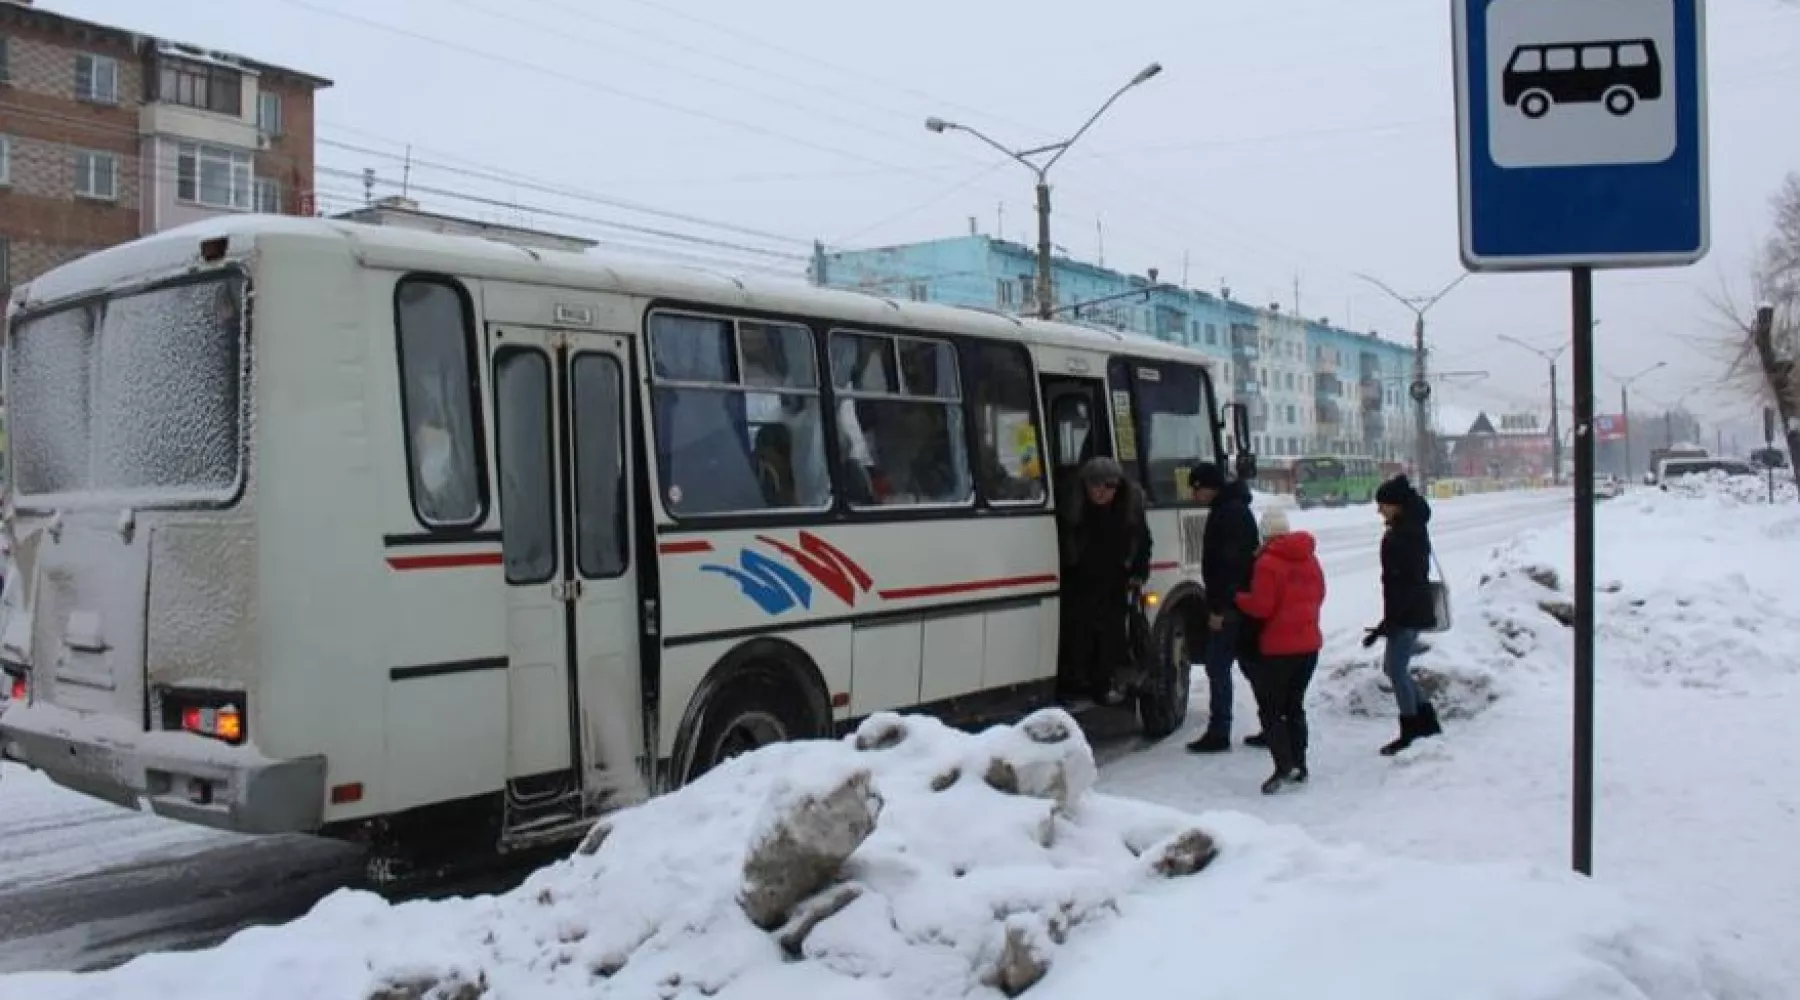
pixel 1161 566
pixel 685 548
pixel 454 560
pixel 972 586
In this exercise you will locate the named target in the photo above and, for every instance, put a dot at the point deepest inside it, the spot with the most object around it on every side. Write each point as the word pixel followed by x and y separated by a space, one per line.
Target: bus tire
pixel 1620 101
pixel 1162 701
pixel 1535 104
pixel 759 700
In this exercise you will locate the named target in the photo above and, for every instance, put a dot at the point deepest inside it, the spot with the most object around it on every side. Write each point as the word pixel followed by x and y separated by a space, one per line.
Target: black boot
pixel 1211 742
pixel 1409 731
pixel 1276 780
pixel 1428 721
pixel 1256 740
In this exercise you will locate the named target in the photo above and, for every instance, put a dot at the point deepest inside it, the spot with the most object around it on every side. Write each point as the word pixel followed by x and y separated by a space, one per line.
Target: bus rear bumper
pixel 175 775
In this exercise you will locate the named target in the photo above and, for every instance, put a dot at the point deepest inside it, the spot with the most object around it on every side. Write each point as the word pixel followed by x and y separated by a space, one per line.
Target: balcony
pixel 1330 416
pixel 1327 386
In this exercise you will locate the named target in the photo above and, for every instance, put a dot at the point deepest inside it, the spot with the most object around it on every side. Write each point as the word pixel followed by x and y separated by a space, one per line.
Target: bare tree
pixel 1766 342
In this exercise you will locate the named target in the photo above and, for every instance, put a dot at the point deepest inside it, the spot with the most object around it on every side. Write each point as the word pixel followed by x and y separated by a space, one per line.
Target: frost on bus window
pixel 731 438
pixel 1175 426
pixel 138 395
pixel 906 406
pixel 600 526
pixel 166 390
pixel 1010 466
pixel 438 391
pixel 51 361
pixel 527 478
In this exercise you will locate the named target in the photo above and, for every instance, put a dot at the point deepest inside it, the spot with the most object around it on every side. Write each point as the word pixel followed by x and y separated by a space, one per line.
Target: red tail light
pixel 21 688
pixel 225 722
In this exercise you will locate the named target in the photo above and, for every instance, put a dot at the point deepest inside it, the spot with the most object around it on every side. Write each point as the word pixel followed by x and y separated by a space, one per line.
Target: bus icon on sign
pixel 1614 74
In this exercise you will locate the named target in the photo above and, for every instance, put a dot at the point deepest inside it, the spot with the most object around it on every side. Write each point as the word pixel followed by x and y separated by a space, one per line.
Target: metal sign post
pixel 1581 144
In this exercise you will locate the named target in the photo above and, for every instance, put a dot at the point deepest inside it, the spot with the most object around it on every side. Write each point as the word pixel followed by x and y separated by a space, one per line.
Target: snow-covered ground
pixel 1694 893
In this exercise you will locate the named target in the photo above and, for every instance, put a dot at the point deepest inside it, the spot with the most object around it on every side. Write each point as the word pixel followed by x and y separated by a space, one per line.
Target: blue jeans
pixel 1397 661
pixel 1221 653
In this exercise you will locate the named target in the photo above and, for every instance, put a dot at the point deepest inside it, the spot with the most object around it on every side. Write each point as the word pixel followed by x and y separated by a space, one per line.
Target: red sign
pixel 1609 427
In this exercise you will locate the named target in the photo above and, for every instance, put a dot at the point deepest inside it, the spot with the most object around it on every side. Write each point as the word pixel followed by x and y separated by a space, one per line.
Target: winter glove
pixel 1372 634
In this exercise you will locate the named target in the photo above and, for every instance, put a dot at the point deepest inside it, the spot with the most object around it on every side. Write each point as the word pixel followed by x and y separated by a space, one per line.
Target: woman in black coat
pixel 1406 604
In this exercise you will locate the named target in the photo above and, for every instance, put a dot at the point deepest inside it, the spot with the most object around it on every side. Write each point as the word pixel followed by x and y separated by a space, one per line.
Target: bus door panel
pixel 1078 429
pixel 529 447
pixel 600 422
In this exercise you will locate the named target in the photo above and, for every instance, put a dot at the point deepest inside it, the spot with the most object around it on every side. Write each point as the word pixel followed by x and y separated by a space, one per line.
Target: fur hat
pixel 1274 523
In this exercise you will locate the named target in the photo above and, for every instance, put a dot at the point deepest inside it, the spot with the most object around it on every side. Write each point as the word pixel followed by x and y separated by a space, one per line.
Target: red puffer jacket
pixel 1287 592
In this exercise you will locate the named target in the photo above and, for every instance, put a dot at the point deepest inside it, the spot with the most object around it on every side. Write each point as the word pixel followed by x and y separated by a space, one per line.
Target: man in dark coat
pixel 1108 556
pixel 1406 604
pixel 1227 557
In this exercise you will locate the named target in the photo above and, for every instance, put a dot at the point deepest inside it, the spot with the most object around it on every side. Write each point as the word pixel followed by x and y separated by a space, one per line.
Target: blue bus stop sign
pixel 1581 133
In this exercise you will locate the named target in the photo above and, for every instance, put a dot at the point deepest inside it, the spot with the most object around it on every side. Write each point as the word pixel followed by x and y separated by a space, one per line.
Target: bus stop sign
pixel 1581 133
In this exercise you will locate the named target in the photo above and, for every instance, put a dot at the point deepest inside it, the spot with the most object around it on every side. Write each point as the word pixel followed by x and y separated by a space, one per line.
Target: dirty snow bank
pixel 1693 586
pixel 911 861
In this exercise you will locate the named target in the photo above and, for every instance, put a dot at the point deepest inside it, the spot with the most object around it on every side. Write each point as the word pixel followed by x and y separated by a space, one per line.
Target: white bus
pixel 383 535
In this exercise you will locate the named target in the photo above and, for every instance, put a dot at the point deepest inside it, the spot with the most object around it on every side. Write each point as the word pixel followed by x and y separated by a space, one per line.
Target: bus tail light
pixel 19 689
pixel 214 715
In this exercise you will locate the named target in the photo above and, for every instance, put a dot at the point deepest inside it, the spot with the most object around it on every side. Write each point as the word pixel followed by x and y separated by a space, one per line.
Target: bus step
pixel 544 831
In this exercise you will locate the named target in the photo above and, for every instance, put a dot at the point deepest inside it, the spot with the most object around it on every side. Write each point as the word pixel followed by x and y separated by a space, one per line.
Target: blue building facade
pixel 1311 388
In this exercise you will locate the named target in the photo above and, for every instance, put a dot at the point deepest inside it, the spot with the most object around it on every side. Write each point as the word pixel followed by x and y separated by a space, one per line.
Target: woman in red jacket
pixel 1286 595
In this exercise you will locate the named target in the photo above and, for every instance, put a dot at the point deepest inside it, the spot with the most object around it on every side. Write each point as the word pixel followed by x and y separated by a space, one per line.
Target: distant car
pixel 1608 487
pixel 1677 468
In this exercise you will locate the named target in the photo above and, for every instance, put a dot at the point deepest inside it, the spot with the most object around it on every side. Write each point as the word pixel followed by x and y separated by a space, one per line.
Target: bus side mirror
pixel 1244 466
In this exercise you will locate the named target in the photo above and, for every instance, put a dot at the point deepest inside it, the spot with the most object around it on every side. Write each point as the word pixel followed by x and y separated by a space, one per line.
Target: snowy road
pixel 87 885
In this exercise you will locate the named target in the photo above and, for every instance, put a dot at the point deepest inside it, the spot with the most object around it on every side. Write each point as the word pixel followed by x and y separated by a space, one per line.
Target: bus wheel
pixel 1535 104
pixel 1620 101
pixel 759 705
pixel 1163 698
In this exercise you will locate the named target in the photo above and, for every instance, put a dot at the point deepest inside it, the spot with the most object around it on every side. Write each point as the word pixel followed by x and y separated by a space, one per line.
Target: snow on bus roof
pixel 176 250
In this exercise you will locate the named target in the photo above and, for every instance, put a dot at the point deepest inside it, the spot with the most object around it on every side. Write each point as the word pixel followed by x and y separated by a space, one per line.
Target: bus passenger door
pixel 543 763
pixel 599 421
pixel 1079 429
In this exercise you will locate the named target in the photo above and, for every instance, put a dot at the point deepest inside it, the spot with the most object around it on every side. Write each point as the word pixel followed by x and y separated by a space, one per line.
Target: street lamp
pixel 1045 294
pixel 1625 407
pixel 1555 428
pixel 1421 387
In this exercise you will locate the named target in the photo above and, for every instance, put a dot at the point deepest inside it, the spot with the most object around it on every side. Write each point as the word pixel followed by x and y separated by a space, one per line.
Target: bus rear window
pixel 134 396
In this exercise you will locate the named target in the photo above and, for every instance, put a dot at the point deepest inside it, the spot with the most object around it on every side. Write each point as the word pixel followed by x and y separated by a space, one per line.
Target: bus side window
pixel 738 424
pixel 438 389
pixel 1010 467
pixel 913 423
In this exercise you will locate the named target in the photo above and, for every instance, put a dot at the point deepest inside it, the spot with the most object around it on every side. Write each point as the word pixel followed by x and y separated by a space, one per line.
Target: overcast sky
pixel 1286 140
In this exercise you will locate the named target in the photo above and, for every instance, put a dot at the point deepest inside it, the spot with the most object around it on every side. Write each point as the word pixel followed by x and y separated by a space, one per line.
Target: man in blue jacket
pixel 1228 553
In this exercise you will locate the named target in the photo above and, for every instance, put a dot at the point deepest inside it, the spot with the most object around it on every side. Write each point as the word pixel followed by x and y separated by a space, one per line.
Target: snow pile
pixel 1513 621
pixel 1696 593
pixel 912 861
pixel 1733 491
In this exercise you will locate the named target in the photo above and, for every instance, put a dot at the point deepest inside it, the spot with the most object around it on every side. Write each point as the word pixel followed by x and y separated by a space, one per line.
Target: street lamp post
pixel 1625 408
pixel 1555 424
pixel 1421 387
pixel 1045 294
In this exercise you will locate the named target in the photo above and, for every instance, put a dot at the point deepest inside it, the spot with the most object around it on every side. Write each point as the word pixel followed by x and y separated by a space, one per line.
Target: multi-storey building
pixel 107 134
pixel 1312 388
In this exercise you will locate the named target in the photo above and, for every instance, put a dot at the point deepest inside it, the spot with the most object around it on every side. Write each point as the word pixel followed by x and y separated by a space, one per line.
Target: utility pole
pixel 1420 390
pixel 1625 406
pixel 818 264
pixel 1556 446
pixel 1046 293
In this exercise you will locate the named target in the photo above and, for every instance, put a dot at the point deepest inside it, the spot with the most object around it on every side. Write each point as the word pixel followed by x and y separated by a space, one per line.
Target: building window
pixel 198 85
pixel 5 74
pixel 214 177
pixel 97 78
pixel 1003 293
pixel 438 389
pixel 5 162
pixel 1212 335
pixel 918 292
pixel 96 175
pixel 268 196
pixel 268 113
pixel 5 264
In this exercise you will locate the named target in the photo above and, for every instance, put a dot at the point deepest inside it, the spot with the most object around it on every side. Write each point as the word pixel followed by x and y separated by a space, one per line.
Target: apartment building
pixel 1312 388
pixel 107 134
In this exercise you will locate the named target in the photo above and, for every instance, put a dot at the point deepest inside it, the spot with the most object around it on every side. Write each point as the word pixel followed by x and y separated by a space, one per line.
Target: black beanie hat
pixel 1397 491
pixel 1206 476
